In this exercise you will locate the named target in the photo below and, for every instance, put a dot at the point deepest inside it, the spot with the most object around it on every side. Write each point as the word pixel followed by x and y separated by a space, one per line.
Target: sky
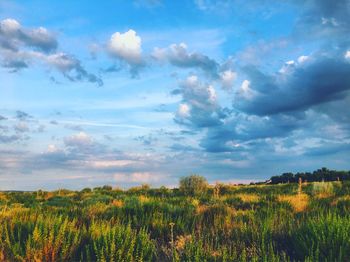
pixel 125 93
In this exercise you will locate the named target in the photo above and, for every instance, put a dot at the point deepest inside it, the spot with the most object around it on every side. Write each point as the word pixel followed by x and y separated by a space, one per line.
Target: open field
pixel 283 222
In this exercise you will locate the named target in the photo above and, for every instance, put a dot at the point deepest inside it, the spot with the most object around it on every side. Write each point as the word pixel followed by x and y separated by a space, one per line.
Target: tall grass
pixel 235 223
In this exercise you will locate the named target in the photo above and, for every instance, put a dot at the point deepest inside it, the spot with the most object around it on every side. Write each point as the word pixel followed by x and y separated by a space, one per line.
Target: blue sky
pixel 147 91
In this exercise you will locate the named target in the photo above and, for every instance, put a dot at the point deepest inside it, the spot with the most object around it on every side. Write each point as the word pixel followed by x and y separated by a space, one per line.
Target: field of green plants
pixel 284 222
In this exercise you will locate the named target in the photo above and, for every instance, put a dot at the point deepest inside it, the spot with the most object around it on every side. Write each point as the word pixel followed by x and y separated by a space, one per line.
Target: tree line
pixel 323 174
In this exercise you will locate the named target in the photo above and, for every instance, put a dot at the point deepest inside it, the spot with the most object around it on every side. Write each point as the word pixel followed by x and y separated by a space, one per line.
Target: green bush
pixel 193 185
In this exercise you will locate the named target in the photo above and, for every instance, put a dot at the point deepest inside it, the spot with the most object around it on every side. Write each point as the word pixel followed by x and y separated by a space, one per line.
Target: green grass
pixel 240 223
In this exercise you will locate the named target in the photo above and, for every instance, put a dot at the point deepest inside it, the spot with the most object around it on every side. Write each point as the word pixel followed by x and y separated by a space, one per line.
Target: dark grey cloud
pixel 242 129
pixel 299 87
pixel 23 116
pixel 328 149
pixel 323 19
pixel 14 65
pixel 335 110
pixel 9 138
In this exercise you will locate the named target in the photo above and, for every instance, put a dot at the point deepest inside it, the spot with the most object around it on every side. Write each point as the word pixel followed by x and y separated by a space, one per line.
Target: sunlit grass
pixel 238 223
pixel 299 202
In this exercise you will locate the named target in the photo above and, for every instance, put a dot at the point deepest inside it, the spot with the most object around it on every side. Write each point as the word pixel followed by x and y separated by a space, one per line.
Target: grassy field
pixel 285 222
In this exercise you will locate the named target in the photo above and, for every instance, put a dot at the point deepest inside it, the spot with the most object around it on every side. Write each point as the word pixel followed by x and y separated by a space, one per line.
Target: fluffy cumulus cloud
pixel 22 47
pixel 276 112
pixel 283 100
pixel 127 47
pixel 178 55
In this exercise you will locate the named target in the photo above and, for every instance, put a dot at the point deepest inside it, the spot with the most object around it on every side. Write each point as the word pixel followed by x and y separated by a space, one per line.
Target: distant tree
pixel 107 188
pixel 319 175
pixel 193 185
pixel 86 190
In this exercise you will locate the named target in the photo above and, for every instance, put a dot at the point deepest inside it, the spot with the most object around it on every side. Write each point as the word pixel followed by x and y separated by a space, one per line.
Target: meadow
pixel 284 222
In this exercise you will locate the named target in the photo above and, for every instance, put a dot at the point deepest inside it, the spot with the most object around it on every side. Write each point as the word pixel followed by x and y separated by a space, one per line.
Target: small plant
pixel 322 189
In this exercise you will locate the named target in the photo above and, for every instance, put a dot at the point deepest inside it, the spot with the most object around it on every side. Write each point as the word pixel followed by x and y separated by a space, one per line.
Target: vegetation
pixel 193 185
pixel 285 222
pixel 319 175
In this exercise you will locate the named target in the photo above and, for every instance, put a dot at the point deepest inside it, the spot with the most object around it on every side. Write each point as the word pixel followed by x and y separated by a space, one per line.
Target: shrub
pixel 193 185
pixel 322 189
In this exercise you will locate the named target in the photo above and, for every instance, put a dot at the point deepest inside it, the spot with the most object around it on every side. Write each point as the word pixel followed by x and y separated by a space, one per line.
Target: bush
pixel 193 185
pixel 322 188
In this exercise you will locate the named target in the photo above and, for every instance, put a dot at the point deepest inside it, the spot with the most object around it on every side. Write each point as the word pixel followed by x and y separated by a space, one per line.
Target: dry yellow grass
pixel 323 195
pixel 3 196
pixel 249 198
pixel 118 203
pixel 201 209
pixel 13 211
pixel 97 209
pixel 181 242
pixel 48 195
pixel 299 202
pixel 143 199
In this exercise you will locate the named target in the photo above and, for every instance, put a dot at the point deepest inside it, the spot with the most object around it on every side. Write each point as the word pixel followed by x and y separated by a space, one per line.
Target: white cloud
pixel 52 149
pixel 79 140
pixel 126 46
pixel 227 79
pixel 302 59
pixel 111 163
pixel 211 94
pixel 347 54
pixel 137 177
pixel 245 90
pixel 9 26
pixel 183 111
pixel 61 61
pixel 159 54
pixel 288 67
